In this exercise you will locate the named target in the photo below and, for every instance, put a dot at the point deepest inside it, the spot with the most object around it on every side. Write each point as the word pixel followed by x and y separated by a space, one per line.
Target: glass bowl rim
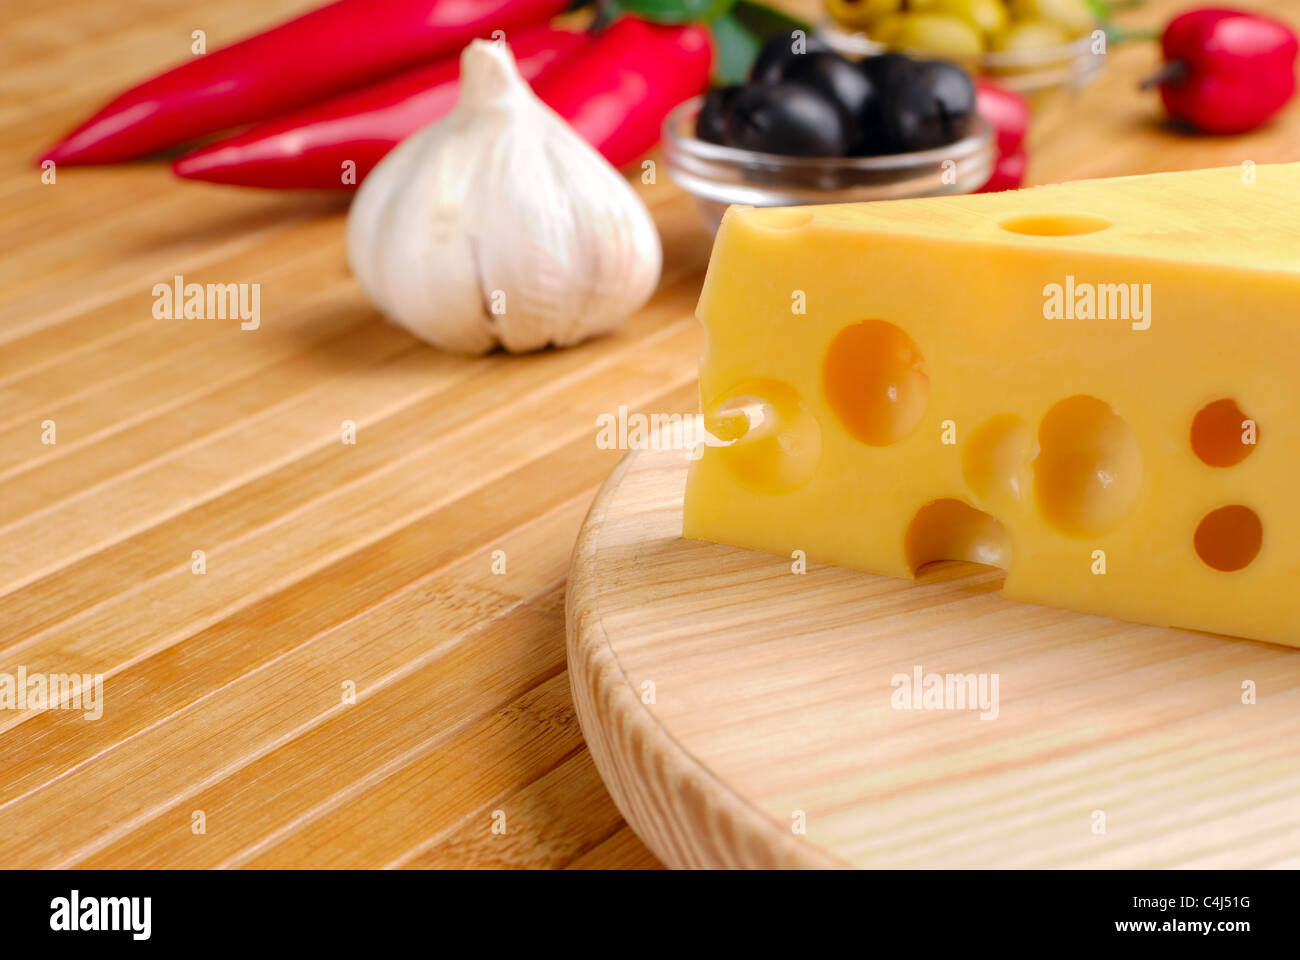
pixel 980 135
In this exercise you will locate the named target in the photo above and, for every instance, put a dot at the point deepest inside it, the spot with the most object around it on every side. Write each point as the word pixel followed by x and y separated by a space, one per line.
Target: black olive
pixel 906 118
pixel 954 96
pixel 714 116
pixel 778 55
pixel 788 118
pixel 890 76
pixel 918 105
pixel 888 71
pixel 843 83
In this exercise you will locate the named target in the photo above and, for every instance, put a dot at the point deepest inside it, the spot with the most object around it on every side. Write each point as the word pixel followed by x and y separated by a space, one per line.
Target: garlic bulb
pixel 499 224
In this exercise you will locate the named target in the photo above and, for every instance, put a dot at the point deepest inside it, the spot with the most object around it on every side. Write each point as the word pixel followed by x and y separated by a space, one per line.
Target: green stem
pixel 1117 34
pixel 606 12
pixel 1173 71
pixel 1104 9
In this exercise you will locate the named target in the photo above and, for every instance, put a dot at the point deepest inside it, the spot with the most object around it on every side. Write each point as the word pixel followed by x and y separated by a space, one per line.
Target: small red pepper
pixel 1226 71
pixel 1007 112
pixel 308 148
pixel 614 89
pixel 320 54
pixel 1008 172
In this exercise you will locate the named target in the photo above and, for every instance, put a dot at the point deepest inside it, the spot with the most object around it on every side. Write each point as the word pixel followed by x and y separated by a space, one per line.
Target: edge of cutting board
pixel 773 700
pixel 683 813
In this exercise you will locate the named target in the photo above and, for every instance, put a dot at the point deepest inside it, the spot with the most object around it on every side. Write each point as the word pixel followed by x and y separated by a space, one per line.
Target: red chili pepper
pixel 615 90
pixel 1006 111
pixel 322 53
pixel 1008 172
pixel 1226 71
pixel 617 94
pixel 308 148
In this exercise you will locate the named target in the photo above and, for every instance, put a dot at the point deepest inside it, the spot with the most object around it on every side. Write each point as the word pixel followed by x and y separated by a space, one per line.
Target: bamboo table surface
pixel 369 669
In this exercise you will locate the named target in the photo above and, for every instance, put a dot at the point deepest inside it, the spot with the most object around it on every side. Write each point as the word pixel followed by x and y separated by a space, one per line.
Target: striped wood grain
pixel 366 563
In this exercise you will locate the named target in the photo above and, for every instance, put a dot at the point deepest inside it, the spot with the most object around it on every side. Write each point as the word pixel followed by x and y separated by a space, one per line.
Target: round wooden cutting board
pixel 743 714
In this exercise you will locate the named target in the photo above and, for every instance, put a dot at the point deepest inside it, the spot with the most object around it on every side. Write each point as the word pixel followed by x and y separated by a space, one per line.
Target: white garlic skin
pixel 500 204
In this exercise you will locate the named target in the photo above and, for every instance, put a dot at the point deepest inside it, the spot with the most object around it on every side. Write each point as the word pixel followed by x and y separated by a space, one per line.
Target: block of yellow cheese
pixel 1095 386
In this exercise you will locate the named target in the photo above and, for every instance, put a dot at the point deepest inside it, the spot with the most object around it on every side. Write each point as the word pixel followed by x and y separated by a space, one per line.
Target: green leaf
pixel 675 11
pixel 764 21
pixel 741 31
pixel 737 47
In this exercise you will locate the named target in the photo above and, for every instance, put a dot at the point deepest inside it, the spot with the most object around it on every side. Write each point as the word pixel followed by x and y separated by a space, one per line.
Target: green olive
pixel 938 33
pixel 1075 17
pixel 1031 35
pixel 989 17
pixel 861 13
pixel 885 30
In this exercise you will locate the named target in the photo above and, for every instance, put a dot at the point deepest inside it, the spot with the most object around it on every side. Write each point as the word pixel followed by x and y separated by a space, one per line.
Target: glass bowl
pixel 1025 71
pixel 719 176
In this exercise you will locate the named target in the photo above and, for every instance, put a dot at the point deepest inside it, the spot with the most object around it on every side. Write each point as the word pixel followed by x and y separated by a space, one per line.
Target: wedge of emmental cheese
pixel 1094 386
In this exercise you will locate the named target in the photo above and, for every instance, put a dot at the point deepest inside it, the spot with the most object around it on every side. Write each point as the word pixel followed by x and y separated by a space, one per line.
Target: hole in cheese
pixel 1223 436
pixel 1088 472
pixel 1229 538
pixel 952 530
pixel 774 441
pixel 1055 224
pixel 738 418
pixel 995 460
pixel 875 381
